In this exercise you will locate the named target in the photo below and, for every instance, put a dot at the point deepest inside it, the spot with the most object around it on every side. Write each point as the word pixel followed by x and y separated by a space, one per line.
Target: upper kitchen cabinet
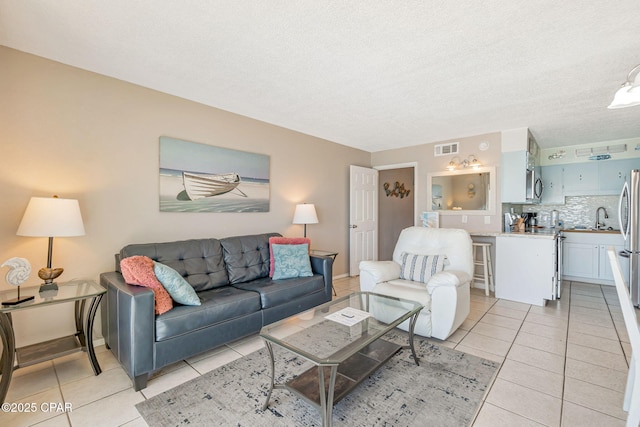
pixel 580 179
pixel 552 178
pixel 613 174
pixel 521 181
pixel 595 178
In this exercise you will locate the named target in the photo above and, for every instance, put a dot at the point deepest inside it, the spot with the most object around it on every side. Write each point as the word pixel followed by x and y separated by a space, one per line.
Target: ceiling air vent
pixel 446 149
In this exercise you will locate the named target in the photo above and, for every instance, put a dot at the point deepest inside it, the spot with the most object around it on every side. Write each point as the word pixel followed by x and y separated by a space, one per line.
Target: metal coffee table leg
pixel 273 375
pixel 412 324
pixel 326 400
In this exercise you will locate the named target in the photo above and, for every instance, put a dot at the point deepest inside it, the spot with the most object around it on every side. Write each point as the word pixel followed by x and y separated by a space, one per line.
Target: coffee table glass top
pixel 66 292
pixel 331 332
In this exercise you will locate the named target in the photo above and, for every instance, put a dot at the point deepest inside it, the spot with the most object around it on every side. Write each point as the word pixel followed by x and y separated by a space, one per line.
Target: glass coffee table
pixel 343 339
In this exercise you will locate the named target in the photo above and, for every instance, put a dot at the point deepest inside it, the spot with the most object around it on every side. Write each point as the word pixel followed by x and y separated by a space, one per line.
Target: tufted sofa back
pixel 247 257
pixel 209 263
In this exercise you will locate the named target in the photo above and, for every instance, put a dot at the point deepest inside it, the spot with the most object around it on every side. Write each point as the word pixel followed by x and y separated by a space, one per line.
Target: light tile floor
pixel 564 364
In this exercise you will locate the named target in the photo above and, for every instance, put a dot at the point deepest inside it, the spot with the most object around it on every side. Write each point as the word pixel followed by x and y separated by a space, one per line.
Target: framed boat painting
pixel 202 178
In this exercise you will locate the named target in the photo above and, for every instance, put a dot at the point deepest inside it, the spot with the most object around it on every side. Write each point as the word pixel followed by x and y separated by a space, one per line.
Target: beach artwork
pixel 202 178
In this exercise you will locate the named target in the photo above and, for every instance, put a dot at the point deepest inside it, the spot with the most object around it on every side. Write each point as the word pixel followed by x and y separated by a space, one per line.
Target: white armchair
pixel 445 295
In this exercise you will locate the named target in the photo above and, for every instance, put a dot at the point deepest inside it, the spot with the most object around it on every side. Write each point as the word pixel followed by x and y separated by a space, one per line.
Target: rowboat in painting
pixel 199 185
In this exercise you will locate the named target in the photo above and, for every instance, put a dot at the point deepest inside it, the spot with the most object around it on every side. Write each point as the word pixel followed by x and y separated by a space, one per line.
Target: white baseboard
pixel 340 276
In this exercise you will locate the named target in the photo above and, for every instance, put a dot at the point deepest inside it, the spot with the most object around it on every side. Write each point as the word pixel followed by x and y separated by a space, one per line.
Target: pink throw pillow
pixel 138 270
pixel 284 241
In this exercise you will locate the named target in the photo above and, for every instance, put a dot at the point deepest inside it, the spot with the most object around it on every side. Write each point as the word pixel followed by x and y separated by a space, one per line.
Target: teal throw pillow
pixel 291 261
pixel 179 289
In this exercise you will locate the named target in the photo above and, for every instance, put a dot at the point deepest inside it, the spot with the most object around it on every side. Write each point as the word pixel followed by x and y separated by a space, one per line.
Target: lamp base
pixel 16 301
pixel 48 286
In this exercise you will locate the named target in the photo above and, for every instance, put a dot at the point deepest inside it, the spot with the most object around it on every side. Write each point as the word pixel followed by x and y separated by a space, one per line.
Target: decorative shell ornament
pixel 19 270
pixel 49 274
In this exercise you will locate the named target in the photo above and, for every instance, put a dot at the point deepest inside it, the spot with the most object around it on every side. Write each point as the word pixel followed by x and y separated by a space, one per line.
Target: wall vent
pixel 446 149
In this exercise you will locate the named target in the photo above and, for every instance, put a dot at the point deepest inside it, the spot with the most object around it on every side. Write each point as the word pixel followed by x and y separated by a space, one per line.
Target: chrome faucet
pixel 606 216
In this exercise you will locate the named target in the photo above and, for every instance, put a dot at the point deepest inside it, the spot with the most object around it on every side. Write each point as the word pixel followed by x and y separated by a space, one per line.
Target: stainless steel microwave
pixel 534 184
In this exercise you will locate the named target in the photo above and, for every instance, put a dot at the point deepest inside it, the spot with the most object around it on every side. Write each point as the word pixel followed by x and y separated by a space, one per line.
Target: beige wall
pixel 81 135
pixel 427 162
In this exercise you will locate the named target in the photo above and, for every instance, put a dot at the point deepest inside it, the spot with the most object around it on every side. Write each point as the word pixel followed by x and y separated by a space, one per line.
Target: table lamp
pixel 305 214
pixel 51 217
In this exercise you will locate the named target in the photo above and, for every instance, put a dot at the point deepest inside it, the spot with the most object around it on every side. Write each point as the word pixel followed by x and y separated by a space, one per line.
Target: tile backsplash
pixel 579 211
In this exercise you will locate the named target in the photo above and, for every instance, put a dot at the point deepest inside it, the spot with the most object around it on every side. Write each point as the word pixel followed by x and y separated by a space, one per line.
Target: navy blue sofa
pixel 231 278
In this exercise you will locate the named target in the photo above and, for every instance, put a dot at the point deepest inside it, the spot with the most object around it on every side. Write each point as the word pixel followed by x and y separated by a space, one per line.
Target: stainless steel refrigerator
pixel 629 220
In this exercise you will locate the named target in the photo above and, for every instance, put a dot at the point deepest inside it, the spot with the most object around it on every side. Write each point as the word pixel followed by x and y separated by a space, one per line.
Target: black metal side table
pixel 79 292
pixel 326 253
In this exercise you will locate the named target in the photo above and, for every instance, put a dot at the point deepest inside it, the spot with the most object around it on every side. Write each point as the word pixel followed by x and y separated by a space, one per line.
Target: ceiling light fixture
pixel 629 94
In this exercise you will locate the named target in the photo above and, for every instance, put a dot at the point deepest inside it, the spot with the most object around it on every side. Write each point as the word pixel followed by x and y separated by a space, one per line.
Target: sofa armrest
pixel 374 272
pixel 450 301
pixel 324 265
pixel 129 324
pixel 448 278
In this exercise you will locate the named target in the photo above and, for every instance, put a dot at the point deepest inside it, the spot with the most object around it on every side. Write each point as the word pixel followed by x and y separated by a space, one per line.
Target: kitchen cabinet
pixel 553 188
pixel 585 256
pixel 580 179
pixel 514 176
pixel 526 268
pixel 595 178
pixel 580 259
pixel 521 169
pixel 605 272
pixel 613 174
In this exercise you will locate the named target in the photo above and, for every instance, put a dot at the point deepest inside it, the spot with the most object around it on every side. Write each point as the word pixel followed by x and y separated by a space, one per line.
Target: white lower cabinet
pixel 526 268
pixel 581 259
pixel 585 257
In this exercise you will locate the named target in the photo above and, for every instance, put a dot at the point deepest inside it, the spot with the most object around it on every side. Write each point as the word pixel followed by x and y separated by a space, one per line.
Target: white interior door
pixel 363 217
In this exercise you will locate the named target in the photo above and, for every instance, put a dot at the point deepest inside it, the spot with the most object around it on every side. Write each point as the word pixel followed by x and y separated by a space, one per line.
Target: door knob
pixel 353 226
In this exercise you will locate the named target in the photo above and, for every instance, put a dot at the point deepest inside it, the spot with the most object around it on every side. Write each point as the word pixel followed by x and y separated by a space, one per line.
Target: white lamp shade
pixel 305 214
pixel 51 217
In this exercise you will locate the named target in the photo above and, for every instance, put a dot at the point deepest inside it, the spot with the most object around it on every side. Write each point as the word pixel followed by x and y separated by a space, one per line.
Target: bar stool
pixel 485 261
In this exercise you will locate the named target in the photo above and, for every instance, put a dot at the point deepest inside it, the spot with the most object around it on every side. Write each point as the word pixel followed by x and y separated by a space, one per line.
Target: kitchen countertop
pixel 544 233
pixel 540 233
pixel 590 230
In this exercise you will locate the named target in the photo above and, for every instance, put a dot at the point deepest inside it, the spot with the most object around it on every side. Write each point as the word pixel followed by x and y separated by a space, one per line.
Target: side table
pixel 326 253
pixel 80 292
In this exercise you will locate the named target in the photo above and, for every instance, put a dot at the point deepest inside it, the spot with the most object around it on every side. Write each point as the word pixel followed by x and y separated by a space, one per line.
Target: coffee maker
pixel 530 219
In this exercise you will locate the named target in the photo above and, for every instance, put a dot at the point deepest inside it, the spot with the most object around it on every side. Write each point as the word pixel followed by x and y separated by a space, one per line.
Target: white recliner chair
pixel 445 294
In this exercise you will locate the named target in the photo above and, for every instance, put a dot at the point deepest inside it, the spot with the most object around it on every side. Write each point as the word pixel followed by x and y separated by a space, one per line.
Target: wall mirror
pixel 468 192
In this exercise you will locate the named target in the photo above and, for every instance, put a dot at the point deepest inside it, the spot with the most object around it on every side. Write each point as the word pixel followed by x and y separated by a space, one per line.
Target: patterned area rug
pixel 445 390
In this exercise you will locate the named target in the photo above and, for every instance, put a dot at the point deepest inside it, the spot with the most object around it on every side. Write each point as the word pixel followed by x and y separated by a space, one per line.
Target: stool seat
pixel 484 261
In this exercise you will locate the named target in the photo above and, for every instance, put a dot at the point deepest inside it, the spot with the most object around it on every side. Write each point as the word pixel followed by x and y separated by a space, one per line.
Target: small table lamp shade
pixel 305 214
pixel 51 217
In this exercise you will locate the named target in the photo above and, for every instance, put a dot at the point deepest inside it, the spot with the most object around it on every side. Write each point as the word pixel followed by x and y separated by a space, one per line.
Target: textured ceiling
pixel 369 74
